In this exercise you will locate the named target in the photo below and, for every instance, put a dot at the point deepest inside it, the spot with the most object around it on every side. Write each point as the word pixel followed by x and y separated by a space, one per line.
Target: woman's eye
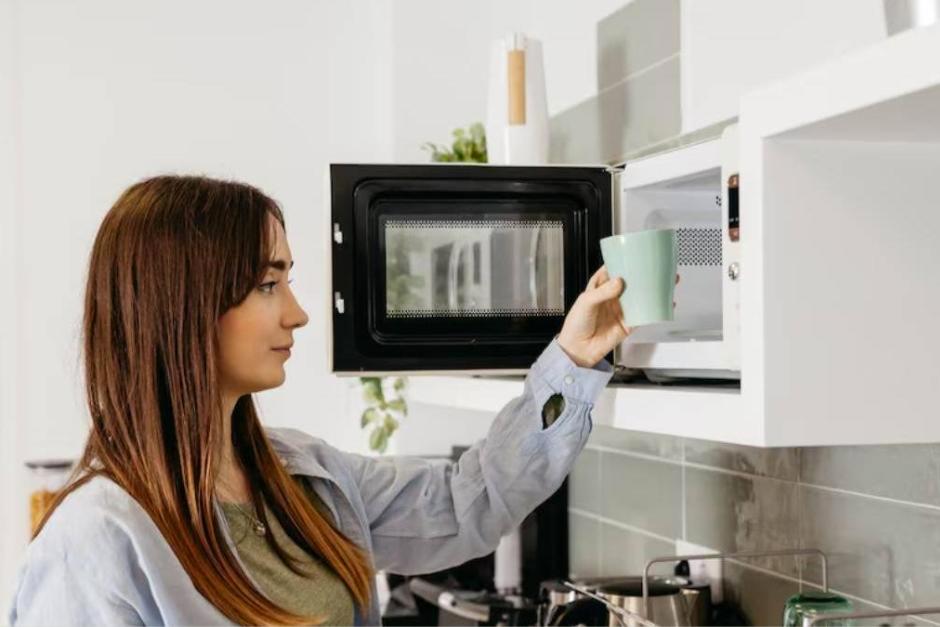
pixel 267 287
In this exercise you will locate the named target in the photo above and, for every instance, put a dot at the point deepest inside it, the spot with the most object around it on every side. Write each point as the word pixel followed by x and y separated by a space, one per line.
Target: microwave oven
pixel 465 268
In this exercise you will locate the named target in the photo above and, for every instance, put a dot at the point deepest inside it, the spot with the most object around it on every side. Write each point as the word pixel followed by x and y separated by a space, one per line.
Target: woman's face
pixel 253 335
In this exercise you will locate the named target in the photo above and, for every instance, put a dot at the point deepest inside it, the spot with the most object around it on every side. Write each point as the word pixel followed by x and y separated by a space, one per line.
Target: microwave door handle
pixel 452 278
pixel 533 267
pixel 453 273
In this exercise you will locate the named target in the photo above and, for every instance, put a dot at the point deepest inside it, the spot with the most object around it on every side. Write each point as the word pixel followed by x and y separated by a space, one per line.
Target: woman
pixel 183 509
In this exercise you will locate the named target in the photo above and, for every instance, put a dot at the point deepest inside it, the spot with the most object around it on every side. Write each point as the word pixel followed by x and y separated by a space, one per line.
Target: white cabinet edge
pixel 714 413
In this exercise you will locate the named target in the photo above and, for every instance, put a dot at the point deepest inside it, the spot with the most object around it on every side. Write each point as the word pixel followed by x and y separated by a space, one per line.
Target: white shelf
pixel 487 394
pixel 714 413
pixel 839 190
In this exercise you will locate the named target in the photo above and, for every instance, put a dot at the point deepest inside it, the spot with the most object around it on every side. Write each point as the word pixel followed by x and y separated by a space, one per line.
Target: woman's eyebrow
pixel 279 264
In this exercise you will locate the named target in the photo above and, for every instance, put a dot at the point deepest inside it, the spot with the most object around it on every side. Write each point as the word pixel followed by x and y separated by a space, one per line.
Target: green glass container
pixel 812 604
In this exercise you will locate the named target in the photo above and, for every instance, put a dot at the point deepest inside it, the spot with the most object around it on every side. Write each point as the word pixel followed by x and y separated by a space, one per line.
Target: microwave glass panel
pixel 473 268
pixel 691 206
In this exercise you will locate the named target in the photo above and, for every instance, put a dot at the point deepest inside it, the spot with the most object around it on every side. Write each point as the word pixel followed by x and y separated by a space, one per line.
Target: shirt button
pixel 569 379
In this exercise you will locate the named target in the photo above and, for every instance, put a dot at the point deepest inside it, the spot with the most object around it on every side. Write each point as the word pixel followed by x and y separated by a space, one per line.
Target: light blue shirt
pixel 101 560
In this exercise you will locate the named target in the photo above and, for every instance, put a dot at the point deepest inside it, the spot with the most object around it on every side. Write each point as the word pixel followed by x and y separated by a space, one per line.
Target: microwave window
pixel 473 268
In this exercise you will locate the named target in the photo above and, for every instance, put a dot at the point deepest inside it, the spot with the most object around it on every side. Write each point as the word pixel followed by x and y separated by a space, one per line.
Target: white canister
pixel 517 112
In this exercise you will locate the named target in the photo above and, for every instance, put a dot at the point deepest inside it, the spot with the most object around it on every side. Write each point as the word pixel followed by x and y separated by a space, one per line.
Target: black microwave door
pixel 459 267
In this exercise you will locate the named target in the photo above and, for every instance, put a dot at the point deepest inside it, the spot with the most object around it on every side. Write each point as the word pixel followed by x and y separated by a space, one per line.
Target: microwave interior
pixel 459 267
pixel 690 204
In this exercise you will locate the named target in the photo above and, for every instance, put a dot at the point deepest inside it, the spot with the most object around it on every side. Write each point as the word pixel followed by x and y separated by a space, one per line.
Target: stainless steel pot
pixel 668 604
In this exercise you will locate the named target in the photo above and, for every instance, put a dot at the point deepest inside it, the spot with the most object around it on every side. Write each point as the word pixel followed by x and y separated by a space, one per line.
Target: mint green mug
pixel 646 261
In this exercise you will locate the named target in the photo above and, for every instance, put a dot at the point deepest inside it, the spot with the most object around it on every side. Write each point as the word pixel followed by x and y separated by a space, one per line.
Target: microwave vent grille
pixel 514 312
pixel 698 247
pixel 473 224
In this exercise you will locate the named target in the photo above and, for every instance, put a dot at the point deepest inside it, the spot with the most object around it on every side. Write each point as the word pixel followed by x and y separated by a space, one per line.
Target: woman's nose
pixel 303 318
pixel 296 316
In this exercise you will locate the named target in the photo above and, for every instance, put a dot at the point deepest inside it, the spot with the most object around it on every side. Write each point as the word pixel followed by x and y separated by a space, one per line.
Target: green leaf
pixel 390 424
pixel 372 390
pixel 398 405
pixel 377 439
pixel 400 384
pixel 371 395
pixel 369 415
pixel 468 145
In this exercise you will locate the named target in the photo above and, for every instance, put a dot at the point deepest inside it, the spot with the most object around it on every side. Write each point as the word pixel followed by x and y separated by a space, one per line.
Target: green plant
pixel 381 413
pixel 469 146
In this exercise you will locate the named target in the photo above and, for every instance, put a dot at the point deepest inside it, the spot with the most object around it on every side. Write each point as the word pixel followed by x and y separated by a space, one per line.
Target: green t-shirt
pixel 323 594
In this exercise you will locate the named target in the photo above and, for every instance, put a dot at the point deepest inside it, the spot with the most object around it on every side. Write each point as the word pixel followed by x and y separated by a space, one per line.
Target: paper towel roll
pixel 508 563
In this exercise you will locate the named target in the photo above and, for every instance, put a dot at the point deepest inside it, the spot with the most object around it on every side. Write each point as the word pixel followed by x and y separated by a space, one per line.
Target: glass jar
pixel 814 603
pixel 47 477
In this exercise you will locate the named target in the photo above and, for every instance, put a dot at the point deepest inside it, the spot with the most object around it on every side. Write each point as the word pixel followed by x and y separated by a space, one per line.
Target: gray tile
pixel 584 484
pixel 583 546
pixel 635 37
pixel 729 512
pixel 625 552
pixel 642 493
pixel 759 595
pixel 902 621
pixel 782 463
pixel 882 552
pixel 909 472
pixel 635 113
pixel 664 446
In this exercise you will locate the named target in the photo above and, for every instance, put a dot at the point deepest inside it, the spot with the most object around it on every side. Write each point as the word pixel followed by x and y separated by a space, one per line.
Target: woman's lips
pixel 283 351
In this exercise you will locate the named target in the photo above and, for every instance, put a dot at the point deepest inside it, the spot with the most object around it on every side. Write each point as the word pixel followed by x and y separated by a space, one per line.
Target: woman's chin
pixel 270 382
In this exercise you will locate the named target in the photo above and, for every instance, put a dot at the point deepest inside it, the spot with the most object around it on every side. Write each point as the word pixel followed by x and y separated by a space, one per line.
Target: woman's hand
pixel 595 324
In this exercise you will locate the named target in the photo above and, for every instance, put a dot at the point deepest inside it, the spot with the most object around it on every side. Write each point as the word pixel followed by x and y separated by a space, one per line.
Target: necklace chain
pixel 257 526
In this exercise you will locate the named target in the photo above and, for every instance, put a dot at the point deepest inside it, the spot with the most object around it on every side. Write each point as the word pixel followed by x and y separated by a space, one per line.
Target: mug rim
pixel 643 232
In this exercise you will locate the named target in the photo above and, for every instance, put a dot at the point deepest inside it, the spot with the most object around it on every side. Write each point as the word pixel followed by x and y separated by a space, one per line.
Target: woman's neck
pixel 231 482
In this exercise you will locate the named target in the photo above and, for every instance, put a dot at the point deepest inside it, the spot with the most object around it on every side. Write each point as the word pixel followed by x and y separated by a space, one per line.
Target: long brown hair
pixel 171 256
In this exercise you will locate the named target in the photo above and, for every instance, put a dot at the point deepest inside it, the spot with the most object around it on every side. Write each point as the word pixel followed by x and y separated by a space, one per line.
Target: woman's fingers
pixel 599 277
pixel 606 291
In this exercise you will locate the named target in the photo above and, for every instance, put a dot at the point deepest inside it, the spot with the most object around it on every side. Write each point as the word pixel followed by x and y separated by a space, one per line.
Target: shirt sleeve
pixel 54 590
pixel 427 515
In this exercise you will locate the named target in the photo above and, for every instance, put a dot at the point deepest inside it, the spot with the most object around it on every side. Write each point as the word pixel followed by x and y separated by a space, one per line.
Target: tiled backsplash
pixel 637 102
pixel 874 510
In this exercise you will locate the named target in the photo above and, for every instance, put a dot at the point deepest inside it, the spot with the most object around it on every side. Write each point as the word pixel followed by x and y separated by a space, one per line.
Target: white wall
pixel 10 540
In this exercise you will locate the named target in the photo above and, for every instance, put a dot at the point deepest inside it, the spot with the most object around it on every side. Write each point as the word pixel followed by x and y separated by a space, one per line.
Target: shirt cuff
pixel 554 373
